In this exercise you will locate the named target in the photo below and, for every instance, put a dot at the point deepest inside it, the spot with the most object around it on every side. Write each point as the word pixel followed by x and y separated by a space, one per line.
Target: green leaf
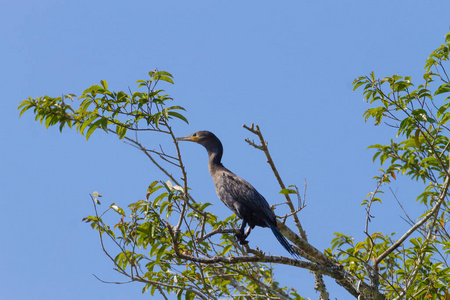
pixel 420 114
pixel 104 123
pixel 357 84
pixel 444 119
pixel 156 118
pixel 205 205
pixel 189 295
pixel 164 78
pixel 104 84
pixel 404 124
pixel 87 122
pixel 165 113
pixel 92 129
pixel 117 209
pixel 288 191
pixel 226 249
pixel 93 88
pixel 442 109
pixel 176 107
pixel 26 104
pixel 48 121
pixel 164 73
pixel 121 131
pixel 445 88
pixel 97 124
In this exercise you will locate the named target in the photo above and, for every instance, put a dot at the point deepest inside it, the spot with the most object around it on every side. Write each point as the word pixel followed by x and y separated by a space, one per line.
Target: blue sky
pixel 287 66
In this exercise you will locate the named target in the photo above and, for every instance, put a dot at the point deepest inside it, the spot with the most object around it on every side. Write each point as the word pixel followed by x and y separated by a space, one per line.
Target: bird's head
pixel 199 137
pixel 193 137
pixel 204 138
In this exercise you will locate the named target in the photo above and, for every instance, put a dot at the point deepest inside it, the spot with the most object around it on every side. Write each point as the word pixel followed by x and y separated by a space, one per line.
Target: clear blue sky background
pixel 287 66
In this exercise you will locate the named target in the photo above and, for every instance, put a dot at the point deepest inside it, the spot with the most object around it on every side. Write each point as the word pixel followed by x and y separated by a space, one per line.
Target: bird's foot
pixel 243 242
pixel 241 239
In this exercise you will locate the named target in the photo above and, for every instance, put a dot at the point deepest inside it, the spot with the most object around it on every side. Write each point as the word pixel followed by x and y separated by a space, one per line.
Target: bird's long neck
pixel 215 156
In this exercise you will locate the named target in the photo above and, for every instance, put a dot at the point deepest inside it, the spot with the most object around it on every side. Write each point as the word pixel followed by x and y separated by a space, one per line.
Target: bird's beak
pixel 188 138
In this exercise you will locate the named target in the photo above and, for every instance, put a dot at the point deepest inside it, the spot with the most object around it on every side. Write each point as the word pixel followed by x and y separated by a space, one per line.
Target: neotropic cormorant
pixel 236 193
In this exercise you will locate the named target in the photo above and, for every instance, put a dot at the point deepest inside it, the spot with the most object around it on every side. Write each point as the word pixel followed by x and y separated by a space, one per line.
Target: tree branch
pixel 400 241
pixel 263 147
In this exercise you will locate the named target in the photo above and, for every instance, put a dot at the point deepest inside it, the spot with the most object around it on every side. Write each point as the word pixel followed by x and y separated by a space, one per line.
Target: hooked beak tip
pixel 188 138
pixel 183 138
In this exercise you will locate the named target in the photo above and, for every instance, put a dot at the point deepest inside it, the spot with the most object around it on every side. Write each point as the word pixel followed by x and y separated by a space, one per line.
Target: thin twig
pixel 263 147
pixel 218 231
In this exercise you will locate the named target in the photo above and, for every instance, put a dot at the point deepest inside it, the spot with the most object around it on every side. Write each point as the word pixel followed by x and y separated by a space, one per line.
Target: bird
pixel 236 193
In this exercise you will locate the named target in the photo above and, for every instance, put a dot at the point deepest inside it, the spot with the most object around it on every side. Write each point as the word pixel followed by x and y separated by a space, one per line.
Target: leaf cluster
pixel 416 265
pixel 99 108
pixel 147 253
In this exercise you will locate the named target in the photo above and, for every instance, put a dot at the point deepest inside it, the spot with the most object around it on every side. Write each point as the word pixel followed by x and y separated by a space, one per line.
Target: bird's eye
pixel 194 134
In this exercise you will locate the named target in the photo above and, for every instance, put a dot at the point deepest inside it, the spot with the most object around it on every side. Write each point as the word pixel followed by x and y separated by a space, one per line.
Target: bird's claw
pixel 241 239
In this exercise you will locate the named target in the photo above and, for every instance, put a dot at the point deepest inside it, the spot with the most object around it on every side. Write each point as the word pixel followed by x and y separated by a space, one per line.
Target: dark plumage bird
pixel 236 193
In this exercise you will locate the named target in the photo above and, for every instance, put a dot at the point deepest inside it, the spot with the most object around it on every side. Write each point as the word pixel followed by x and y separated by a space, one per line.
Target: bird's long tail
pixel 283 241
